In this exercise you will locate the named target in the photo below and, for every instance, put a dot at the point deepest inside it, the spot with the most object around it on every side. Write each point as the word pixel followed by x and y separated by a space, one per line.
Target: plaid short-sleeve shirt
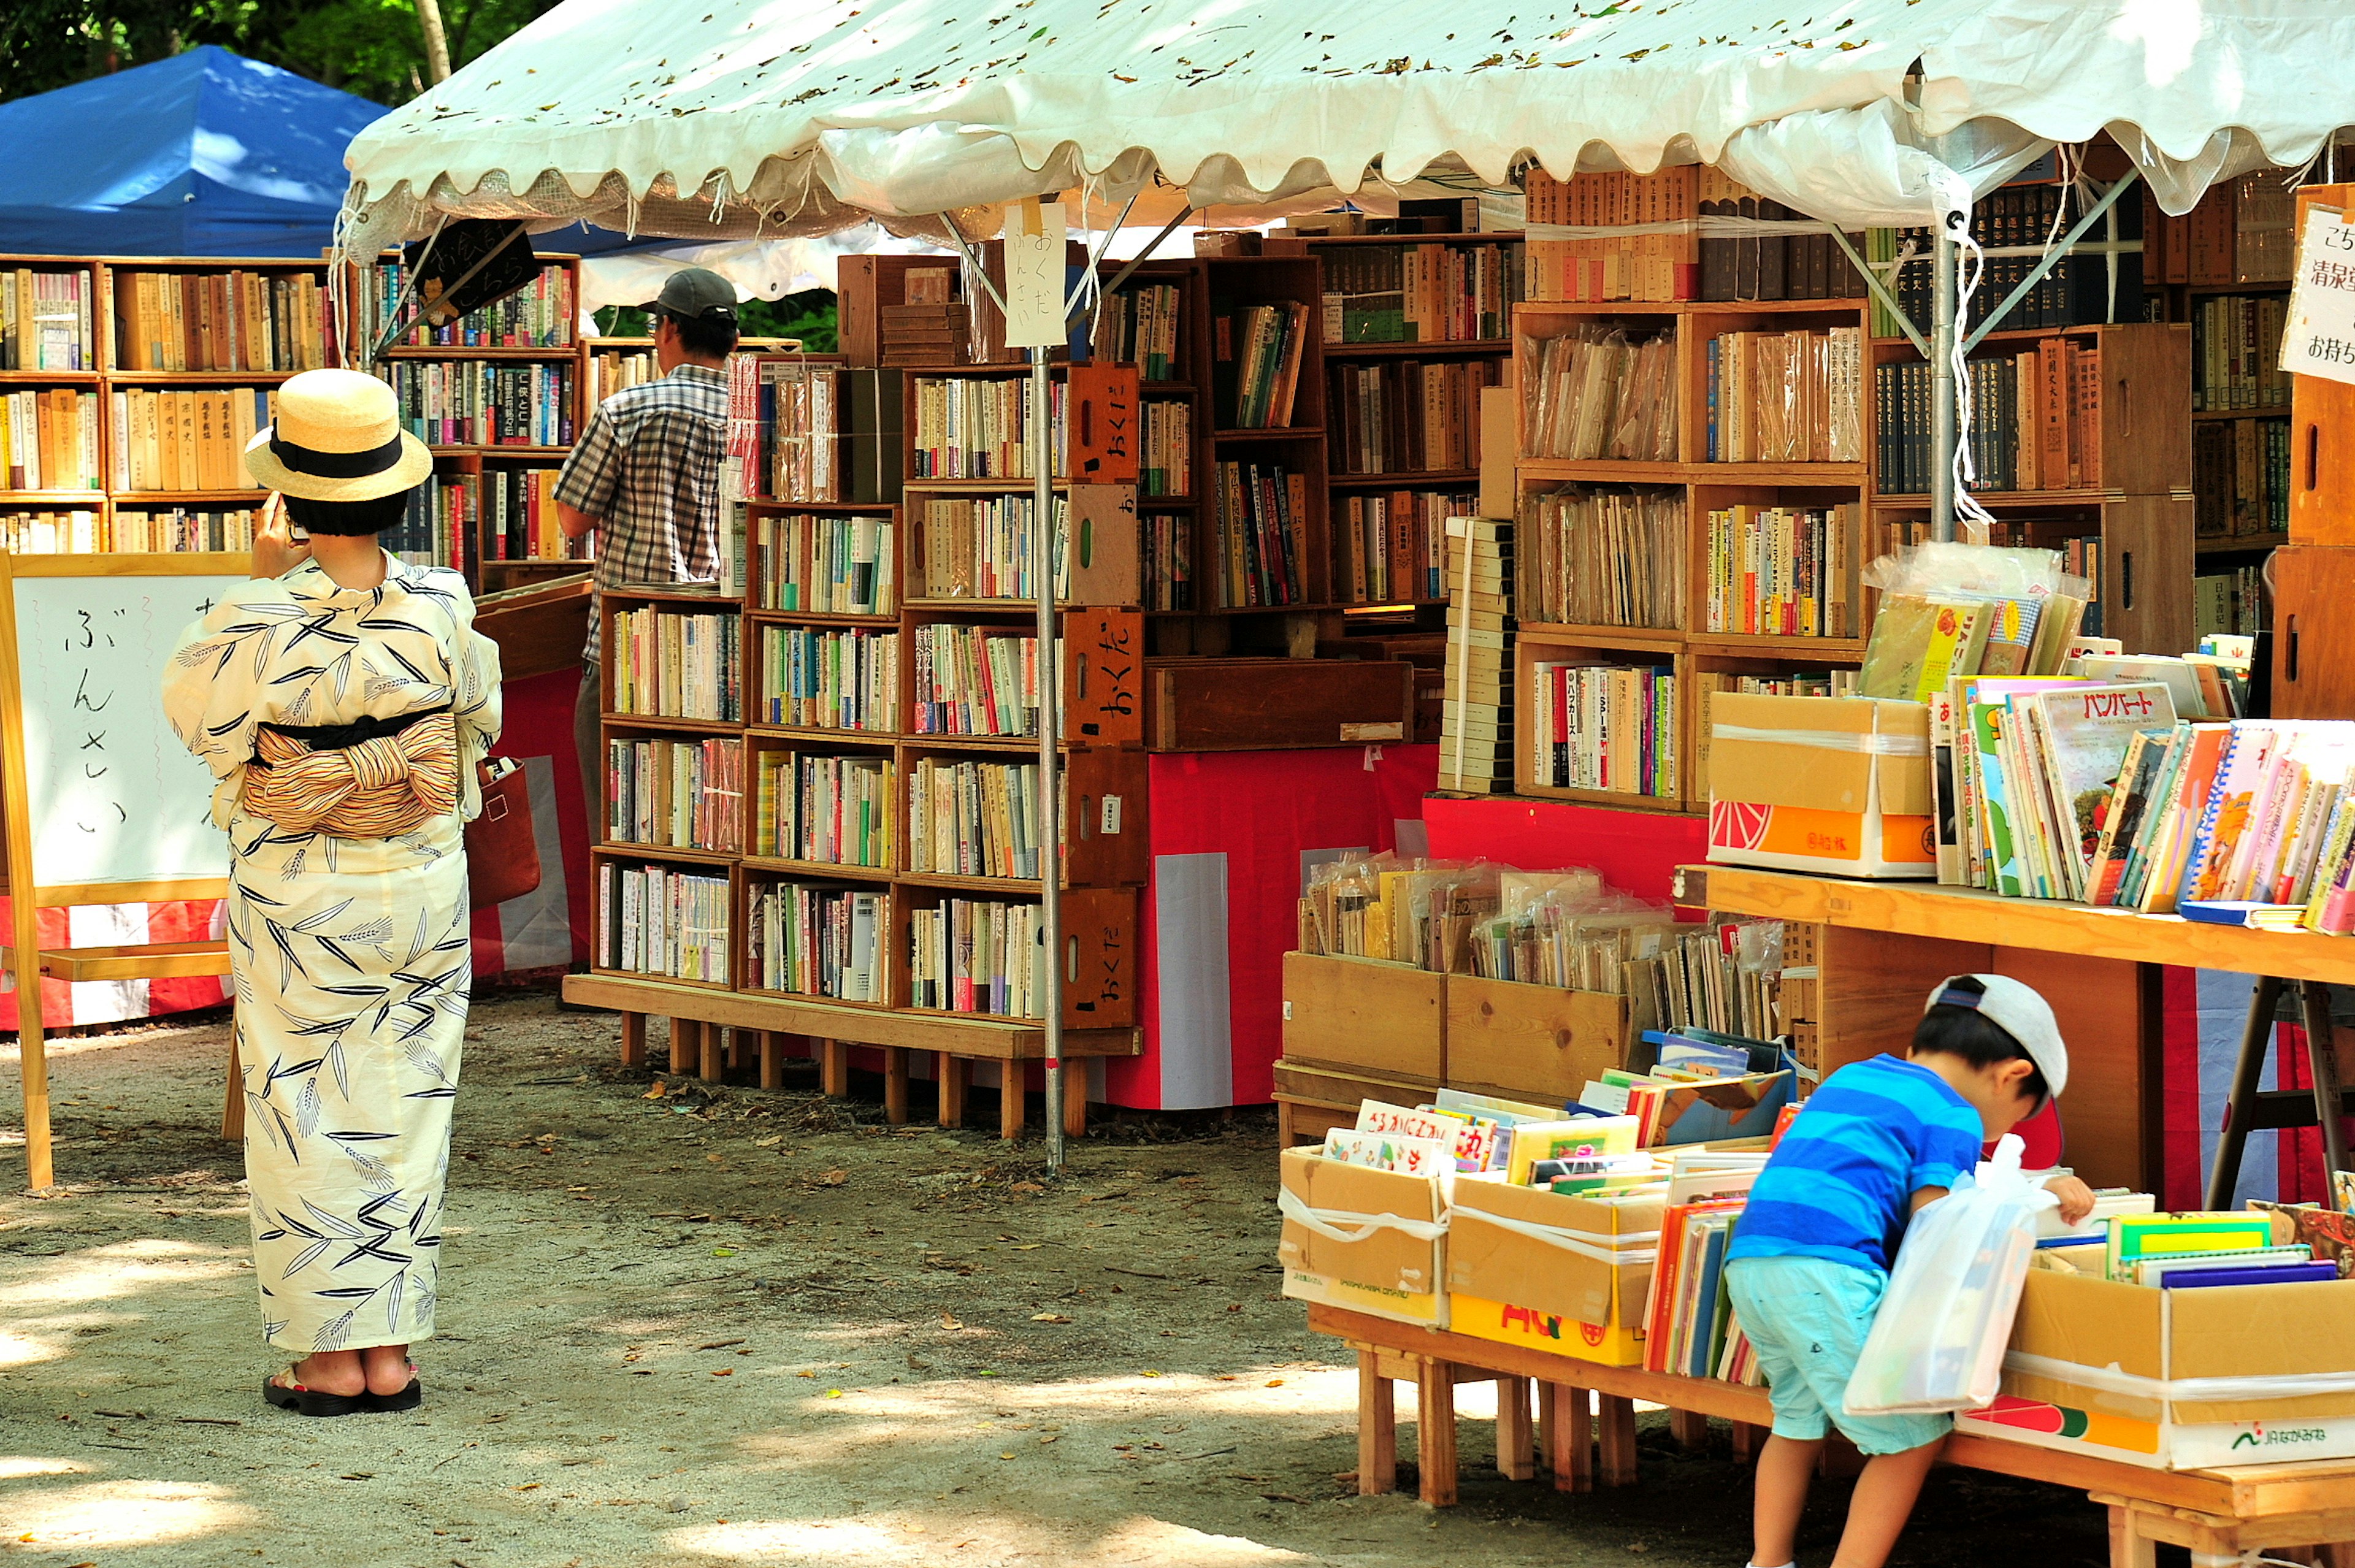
pixel 647 469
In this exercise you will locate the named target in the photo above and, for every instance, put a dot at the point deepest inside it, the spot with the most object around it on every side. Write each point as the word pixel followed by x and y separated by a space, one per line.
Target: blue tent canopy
pixel 206 154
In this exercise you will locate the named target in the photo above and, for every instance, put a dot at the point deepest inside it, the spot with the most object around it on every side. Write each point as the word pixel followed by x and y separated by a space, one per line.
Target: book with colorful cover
pixel 2083 733
pixel 1918 641
pixel 2010 636
pixel 1386 1151
pixel 2175 834
pixel 2003 872
pixel 2227 816
pixel 1970 789
pixel 2122 814
pixel 2134 1237
pixel 1535 1141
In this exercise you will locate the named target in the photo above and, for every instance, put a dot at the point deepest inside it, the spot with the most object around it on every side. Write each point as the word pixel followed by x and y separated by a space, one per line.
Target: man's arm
pixel 574 521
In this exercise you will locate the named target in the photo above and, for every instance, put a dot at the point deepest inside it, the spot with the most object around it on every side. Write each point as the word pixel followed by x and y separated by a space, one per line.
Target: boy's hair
pixel 711 336
pixel 373 515
pixel 1975 1037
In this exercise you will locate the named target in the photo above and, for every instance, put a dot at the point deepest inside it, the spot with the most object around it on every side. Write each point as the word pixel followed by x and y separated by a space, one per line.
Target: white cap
pixel 2020 1012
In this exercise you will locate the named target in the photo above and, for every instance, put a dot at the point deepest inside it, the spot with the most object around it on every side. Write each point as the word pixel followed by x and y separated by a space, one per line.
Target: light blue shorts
pixel 1806 1318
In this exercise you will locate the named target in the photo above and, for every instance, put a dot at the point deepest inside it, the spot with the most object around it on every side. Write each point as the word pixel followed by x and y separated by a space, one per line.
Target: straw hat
pixel 338 438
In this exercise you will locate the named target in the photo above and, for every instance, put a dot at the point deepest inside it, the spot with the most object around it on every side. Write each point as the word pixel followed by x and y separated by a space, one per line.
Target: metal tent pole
pixel 1943 257
pixel 1050 794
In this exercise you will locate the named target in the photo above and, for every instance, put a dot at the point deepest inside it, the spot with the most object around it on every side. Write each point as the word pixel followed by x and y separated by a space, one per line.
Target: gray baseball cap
pixel 2017 1009
pixel 694 293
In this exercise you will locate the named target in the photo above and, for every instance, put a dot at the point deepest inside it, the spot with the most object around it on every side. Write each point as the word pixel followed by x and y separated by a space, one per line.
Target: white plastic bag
pixel 1938 1342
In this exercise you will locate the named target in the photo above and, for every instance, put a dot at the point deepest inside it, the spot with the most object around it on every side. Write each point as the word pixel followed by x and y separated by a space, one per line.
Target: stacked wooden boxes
pixel 2314 638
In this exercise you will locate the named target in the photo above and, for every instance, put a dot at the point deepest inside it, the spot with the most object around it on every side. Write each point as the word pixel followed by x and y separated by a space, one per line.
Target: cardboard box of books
pixel 1821 783
pixel 1367 1240
pixel 1563 1275
pixel 2179 1380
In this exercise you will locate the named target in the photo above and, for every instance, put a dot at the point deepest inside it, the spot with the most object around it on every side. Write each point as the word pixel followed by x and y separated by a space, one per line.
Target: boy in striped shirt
pixel 1879 1140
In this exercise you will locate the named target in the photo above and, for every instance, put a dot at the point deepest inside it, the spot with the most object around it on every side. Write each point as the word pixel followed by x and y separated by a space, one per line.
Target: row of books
pixel 653 920
pixel 978 427
pixel 1689 1327
pixel 520 517
pixel 1661 264
pixel 980 547
pixel 1784 571
pixel 2240 477
pixel 1605 557
pixel 1168 563
pixel 1406 416
pixel 1140 326
pixel 1263 538
pixel 676 664
pixel 437 527
pixel 478 402
pixel 2087 286
pixel 975 681
pixel 977 955
pixel 1923 639
pixel 2229 603
pixel 44 321
pixel 973 818
pixel 1422 294
pixel 1476 711
pixel 813 678
pixel 2236 352
pixel 1595 725
pixel 1391 544
pixel 1598 392
pixel 541 315
pixel 55 533
pixel 2035 420
pixel 679 794
pixel 2241 232
pixel 192 440
pixel 1165 451
pixel 1786 397
pixel 235 320
pixel 824 565
pixel 816 941
pixel 837 810
pixel 1256 353
pixel 49 440
pixel 612 371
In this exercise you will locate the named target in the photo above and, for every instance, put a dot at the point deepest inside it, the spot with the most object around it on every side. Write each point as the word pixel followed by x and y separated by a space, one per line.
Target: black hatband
pixel 335 465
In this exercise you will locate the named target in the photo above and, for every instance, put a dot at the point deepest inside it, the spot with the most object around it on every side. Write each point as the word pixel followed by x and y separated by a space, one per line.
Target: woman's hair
pixel 713 337
pixel 352 518
pixel 1975 1038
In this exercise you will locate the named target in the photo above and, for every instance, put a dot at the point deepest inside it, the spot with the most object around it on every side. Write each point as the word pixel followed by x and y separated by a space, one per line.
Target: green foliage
pixel 373 48
pixel 808 315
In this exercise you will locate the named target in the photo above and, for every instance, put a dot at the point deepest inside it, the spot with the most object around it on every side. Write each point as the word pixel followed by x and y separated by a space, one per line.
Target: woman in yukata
pixel 343 700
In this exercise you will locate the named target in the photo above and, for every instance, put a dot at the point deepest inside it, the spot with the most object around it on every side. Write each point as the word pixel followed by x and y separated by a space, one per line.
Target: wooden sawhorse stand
pixel 2250 1109
pixel 2285 1509
pixel 711 1031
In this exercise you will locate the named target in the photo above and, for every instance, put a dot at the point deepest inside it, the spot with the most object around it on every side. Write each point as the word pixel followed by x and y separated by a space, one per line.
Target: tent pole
pixel 1050 794
pixel 1942 258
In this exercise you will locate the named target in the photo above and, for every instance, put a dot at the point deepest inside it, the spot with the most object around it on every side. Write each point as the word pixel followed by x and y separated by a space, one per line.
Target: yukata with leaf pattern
pixel 349 957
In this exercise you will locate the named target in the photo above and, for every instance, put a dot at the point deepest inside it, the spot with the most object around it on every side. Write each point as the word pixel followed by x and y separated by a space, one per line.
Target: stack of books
pixel 975 955
pixel 1256 364
pixel 980 548
pixel 813 678
pixel 1140 326
pixel 1389 545
pixel 679 795
pixel 1263 535
pixel 44 321
pixel 1607 558
pixel 49 441
pixel 479 403
pixel 837 810
pixel 655 920
pixel 1407 416
pixel 825 565
pixel 192 440
pixel 974 819
pixel 675 665
pixel 2035 424
pixel 819 942
pixel 1784 571
pixel 1663 262
pixel 234 320
pixel 967 427
pixel 1422 294
pixel 1595 725
pixel 930 327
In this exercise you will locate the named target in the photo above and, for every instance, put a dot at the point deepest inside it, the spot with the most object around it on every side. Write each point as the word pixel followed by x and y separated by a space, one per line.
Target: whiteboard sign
pixel 114 795
pixel 1034 276
pixel 2319 339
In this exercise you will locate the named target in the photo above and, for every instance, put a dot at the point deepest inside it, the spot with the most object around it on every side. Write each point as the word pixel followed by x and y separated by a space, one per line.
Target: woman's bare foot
pixel 387 1368
pixel 326 1372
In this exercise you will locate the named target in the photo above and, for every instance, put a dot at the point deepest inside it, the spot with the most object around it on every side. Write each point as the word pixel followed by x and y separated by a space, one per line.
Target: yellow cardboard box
pixel 1821 783
pixel 2179 1380
pixel 1370 1240
pixel 1576 1288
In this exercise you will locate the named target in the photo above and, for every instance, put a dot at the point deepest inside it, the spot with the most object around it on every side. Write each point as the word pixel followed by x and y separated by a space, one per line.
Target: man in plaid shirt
pixel 645 474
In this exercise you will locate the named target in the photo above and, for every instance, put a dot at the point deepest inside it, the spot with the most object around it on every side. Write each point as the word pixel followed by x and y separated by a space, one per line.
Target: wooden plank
pixel 1013 1101
pixel 1276 704
pixel 2314 638
pixel 994 1040
pixel 2174 1488
pixel 1363 1014
pixel 1616 1415
pixel 1967 915
pixel 1515 1443
pixel 1377 1429
pixel 2110 1013
pixel 2129 1547
pixel 1531 1042
pixel 540 630
pixel 2147 552
pixel 1302 1120
pixel 1434 1436
pixel 1569 1435
pixel 1075 1099
pixel 144 961
pixel 2322 461
pixel 711 1065
pixel 1689 1428
pixel 17 865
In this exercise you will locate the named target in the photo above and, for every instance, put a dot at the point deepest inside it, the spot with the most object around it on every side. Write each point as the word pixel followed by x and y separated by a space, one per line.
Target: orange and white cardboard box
pixel 2179 1380
pixel 1563 1275
pixel 1370 1240
pixel 1821 783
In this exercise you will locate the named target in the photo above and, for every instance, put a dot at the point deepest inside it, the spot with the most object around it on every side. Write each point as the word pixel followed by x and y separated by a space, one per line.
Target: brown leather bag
pixel 502 848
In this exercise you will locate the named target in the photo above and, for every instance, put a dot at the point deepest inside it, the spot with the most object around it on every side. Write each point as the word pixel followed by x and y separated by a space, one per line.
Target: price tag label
pixel 2320 338
pixel 1034 275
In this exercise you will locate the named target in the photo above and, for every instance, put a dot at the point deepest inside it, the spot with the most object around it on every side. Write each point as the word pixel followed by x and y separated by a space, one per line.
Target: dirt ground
pixel 738 1327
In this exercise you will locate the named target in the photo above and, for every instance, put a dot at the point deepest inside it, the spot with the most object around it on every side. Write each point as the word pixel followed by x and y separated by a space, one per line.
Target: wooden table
pixel 2217 1513
pixel 1887 945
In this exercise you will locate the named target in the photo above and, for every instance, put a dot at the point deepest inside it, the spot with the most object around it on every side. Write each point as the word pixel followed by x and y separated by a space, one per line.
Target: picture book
pixel 2173 835
pixel 2133 1237
pixel 2150 1271
pixel 2228 814
pixel 1918 640
pixel 2182 685
pixel 2002 870
pixel 2122 814
pixel 1535 1141
pixel 2083 733
pixel 1385 1151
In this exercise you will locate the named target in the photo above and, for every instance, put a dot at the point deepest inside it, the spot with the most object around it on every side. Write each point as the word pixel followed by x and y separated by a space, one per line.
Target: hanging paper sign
pixel 1034 276
pixel 2319 339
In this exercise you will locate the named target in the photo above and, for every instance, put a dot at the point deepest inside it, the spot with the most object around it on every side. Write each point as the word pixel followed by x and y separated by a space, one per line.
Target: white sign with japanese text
pixel 2320 338
pixel 1034 275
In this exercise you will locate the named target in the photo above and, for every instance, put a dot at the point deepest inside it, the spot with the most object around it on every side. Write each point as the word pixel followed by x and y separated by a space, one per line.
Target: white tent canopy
pixel 749 118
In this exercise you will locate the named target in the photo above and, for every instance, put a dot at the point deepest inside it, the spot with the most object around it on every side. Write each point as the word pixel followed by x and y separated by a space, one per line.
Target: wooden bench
pixel 712 1030
pixel 2293 1511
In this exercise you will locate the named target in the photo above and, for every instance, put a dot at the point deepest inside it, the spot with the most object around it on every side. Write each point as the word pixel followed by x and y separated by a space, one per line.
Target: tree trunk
pixel 437 42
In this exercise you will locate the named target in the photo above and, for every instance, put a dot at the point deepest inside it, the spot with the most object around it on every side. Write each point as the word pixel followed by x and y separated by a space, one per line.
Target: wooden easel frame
pixel 26 898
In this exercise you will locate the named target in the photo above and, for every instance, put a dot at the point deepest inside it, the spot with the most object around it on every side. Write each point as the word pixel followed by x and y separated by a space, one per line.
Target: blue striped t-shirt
pixel 1840 1185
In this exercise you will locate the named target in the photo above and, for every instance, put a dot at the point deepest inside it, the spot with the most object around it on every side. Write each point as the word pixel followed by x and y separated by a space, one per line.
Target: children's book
pixel 2083 734
pixel 2122 814
pixel 2228 815
pixel 2133 1237
pixel 1534 1141
pixel 2151 1269
pixel 2004 873
pixel 1384 1151
pixel 2173 673
pixel 2172 841
pixel 1918 640
pixel 2281 1273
